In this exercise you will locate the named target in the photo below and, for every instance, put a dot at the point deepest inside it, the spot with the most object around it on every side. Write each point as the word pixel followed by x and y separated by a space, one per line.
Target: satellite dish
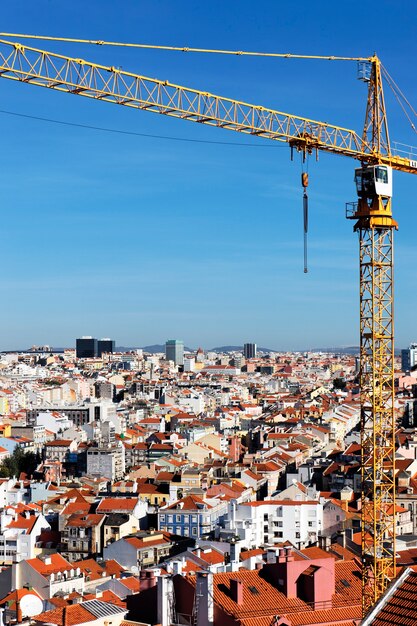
pixel 31 605
pixel 134 570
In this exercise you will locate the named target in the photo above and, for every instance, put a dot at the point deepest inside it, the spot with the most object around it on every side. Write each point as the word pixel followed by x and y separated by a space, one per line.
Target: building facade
pixel 249 350
pixel 108 462
pixel 86 348
pixel 409 358
pixel 174 351
pixel 105 345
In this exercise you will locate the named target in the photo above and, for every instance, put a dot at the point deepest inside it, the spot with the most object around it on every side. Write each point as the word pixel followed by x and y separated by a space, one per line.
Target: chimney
pixel 288 554
pixel 203 602
pixel 164 586
pixel 342 538
pixel 147 579
pixel 236 590
pixel 177 567
pixel 234 552
pixel 271 555
pixel 281 555
pixel 19 614
pixel 251 562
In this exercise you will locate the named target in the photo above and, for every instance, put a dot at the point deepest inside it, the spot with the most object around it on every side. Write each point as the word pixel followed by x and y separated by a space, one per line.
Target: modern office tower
pixel 105 345
pixel 409 358
pixel 174 351
pixel 86 348
pixel 249 350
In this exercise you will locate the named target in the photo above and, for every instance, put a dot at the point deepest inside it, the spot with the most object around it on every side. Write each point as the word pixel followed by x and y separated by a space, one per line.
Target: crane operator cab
pixel 374 180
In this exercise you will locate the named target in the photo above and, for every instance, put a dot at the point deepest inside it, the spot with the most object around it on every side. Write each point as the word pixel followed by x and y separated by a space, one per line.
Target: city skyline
pixel 217 226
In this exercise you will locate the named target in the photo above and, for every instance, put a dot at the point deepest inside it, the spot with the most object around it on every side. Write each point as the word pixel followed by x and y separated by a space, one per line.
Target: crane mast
pixel 375 226
pixel 373 222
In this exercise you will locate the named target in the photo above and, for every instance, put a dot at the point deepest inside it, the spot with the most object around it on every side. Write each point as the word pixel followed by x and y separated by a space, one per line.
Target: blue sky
pixel 144 239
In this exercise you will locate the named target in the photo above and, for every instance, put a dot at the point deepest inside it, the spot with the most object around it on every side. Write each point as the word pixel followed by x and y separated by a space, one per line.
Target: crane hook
pixel 304 182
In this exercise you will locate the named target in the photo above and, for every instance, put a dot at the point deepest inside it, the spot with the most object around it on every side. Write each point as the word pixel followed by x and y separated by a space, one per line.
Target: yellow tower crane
pixel 373 221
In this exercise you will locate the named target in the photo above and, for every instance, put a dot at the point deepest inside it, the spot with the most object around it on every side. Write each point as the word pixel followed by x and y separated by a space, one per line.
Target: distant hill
pixel 336 350
pixel 237 349
pixel 346 350
pixel 154 349
pixel 159 347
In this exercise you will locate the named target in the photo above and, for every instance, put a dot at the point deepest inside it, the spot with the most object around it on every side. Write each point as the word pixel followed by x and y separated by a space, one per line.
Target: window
pixel 162 518
pixel 265 517
pixel 297 535
pixel 170 518
pixel 381 174
pixel 178 518
pixel 310 524
pixel 194 531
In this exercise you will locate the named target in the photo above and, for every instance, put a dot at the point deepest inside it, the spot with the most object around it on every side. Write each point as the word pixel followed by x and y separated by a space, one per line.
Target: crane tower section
pixel 375 226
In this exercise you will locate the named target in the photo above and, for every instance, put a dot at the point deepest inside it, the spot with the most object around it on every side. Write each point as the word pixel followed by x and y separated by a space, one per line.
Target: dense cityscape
pixel 190 486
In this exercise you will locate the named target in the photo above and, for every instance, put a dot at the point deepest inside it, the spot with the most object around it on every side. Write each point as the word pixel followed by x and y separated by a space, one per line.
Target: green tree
pixel 339 383
pixel 19 461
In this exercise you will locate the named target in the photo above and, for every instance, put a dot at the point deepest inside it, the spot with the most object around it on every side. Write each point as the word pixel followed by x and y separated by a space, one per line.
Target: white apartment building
pixel 19 533
pixel 271 522
pixel 108 462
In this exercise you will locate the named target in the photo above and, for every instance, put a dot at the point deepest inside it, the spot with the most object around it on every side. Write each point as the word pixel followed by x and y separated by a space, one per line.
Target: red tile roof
pixel 189 503
pixel 399 609
pixel 113 568
pixel 131 583
pixel 212 557
pixel 84 521
pixel 24 523
pixel 268 601
pixel 72 615
pixel 111 505
pixel 57 564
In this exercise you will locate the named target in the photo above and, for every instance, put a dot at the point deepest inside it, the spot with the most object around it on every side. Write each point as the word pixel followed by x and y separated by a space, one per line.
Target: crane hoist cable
pixel 400 97
pixel 304 182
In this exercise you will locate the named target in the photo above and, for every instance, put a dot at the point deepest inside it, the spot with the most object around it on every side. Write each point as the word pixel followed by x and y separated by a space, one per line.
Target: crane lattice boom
pixel 76 76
